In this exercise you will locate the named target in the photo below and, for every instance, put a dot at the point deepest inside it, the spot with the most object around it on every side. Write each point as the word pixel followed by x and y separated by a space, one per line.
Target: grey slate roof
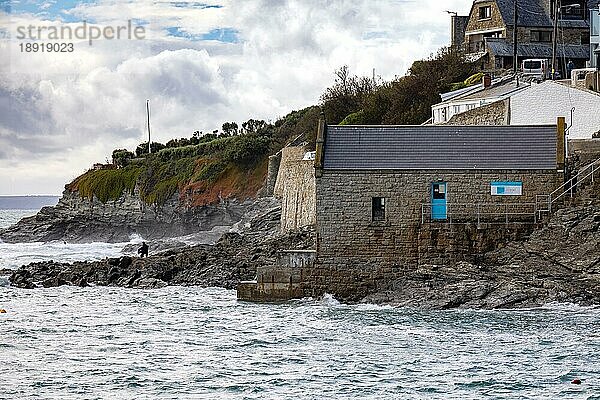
pixel 440 147
pixel 501 47
pixel 532 13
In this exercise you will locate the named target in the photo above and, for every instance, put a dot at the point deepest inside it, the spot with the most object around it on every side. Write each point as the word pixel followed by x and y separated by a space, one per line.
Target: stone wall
pixel 357 255
pixel 282 281
pixel 496 113
pixel 457 29
pixel 495 22
pixel 584 151
pixel 295 187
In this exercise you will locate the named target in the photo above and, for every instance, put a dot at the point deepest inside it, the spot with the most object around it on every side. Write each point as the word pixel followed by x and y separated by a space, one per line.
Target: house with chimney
pixel 487 32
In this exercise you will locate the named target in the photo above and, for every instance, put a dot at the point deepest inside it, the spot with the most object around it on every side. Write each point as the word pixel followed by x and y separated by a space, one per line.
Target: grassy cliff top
pixel 232 166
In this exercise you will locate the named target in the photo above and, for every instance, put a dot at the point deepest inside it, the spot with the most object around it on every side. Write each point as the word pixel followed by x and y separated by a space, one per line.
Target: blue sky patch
pixel 193 4
pixel 53 10
pixel 5 6
pixel 225 35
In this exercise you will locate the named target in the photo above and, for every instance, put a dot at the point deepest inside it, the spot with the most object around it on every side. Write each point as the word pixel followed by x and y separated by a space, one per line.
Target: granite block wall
pixel 357 255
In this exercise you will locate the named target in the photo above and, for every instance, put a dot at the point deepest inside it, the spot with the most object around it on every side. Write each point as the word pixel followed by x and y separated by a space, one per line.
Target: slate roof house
pixel 488 35
pixel 382 193
pixel 595 33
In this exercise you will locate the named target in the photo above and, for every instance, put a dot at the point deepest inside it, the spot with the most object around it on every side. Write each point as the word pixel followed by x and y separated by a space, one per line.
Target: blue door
pixel 438 201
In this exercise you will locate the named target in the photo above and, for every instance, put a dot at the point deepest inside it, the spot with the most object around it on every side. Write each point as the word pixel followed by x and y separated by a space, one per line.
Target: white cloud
pixel 63 112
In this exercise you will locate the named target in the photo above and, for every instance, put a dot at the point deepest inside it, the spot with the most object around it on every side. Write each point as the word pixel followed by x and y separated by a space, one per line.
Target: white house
pixel 543 102
pixel 529 104
pixel 472 97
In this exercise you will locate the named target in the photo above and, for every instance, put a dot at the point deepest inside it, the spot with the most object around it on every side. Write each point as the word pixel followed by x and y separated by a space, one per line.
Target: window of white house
pixel 378 208
pixel 595 22
pixel 485 12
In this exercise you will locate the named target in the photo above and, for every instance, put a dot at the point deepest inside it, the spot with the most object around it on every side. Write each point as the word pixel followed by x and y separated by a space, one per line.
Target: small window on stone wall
pixel 485 12
pixel 378 208
pixel 541 36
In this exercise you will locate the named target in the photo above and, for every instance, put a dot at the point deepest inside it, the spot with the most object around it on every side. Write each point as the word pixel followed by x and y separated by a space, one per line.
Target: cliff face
pixel 76 219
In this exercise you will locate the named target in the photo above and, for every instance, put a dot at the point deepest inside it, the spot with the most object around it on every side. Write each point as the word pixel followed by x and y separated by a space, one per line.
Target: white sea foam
pixel 13 255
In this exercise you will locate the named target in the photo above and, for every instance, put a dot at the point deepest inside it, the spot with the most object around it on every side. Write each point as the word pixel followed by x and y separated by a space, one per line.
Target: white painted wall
pixel 546 101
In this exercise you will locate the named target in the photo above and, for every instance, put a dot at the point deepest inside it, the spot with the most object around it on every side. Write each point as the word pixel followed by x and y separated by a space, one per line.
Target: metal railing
pixel 569 187
pixel 483 213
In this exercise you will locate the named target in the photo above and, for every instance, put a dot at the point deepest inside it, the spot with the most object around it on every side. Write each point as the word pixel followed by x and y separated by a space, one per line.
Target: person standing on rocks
pixel 143 251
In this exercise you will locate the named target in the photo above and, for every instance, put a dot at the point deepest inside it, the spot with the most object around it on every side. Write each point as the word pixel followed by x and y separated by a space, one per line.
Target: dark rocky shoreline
pixel 557 263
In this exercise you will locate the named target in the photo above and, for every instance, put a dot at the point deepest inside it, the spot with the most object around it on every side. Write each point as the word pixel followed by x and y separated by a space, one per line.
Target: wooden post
pixel 320 146
pixel 560 143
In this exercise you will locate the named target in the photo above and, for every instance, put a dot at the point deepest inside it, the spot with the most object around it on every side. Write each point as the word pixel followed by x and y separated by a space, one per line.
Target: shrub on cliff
pixel 246 150
pixel 106 184
pixel 121 157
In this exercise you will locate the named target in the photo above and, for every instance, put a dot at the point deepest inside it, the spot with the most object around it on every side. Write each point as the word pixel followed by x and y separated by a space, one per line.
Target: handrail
pixel 573 182
pixel 480 212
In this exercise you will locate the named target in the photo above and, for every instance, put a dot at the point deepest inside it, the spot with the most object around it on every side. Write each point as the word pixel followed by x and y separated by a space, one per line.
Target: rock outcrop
pixel 76 219
pixel 233 258
pixel 558 263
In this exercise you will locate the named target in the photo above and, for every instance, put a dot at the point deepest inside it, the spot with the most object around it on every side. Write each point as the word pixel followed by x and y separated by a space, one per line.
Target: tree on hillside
pixel 253 126
pixel 230 129
pixel 121 157
pixel 406 100
pixel 142 148
pixel 410 98
pixel 346 96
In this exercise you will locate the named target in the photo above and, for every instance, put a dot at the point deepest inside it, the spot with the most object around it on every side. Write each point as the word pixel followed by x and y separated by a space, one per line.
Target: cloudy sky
pixel 200 63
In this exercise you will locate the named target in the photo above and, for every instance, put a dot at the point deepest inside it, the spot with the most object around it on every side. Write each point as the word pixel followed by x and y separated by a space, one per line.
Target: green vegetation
pixel 106 184
pixel 209 166
pixel 404 101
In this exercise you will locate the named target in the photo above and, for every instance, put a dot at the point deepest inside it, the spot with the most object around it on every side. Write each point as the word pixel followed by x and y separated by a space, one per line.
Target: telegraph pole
pixel 515 67
pixel 148 114
pixel 555 37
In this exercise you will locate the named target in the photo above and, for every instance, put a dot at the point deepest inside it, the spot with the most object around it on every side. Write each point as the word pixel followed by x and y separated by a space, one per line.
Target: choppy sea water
pixel 13 255
pixel 193 343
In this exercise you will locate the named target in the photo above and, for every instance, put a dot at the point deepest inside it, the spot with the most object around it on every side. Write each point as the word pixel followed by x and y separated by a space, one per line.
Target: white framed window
pixel 485 12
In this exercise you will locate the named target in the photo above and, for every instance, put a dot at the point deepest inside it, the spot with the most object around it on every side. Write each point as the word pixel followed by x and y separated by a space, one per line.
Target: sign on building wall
pixel 507 188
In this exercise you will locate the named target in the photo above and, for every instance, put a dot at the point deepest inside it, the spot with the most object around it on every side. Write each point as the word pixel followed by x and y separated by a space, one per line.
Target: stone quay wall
pixel 296 189
pixel 357 256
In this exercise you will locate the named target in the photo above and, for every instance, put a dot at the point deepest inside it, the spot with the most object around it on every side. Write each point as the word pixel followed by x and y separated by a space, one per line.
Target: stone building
pixel 388 196
pixel 489 32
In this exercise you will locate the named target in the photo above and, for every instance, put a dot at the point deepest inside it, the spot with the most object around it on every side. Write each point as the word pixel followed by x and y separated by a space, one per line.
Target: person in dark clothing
pixel 570 67
pixel 143 251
